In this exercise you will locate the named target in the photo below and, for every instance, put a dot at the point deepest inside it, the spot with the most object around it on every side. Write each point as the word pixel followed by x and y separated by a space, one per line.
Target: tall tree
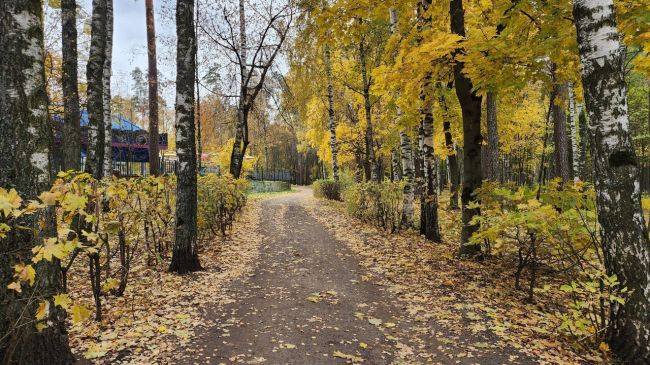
pixel 184 255
pixel 560 140
pixel 470 104
pixel 274 25
pixel 153 88
pixel 108 125
pixel 429 226
pixel 452 158
pixel 573 123
pixel 25 139
pixel 95 76
pixel 429 212
pixel 330 113
pixel 585 170
pixel 624 237
pixel 408 171
pixel 371 160
pixel 71 133
pixel 492 150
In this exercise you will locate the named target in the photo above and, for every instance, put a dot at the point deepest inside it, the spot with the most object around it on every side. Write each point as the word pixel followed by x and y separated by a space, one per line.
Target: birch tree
pixel 452 158
pixel 153 88
pixel 408 171
pixel 624 237
pixel 107 124
pixel 560 141
pixel 95 75
pixel 25 137
pixel 330 113
pixel 575 150
pixel 366 79
pixel 184 253
pixel 70 84
pixel 429 196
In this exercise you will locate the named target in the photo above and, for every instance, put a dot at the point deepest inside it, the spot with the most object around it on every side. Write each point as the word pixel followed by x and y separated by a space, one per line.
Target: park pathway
pixel 308 302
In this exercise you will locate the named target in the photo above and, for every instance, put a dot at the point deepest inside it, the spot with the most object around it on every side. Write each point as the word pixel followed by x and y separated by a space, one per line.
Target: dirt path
pixel 309 302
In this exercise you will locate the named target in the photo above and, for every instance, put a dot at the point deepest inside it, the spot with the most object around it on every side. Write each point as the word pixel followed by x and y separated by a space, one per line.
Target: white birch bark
pixel 95 77
pixel 408 168
pixel 330 114
pixel 108 135
pixel 575 155
pixel 624 237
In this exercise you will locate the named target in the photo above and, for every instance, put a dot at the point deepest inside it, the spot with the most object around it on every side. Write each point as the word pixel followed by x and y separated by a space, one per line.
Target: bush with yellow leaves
pixel 108 222
pixel 553 232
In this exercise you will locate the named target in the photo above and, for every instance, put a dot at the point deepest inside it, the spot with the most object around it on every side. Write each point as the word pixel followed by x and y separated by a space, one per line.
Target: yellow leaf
pixel 43 310
pixel 62 300
pixel 9 200
pixel 603 347
pixel 48 197
pixel 79 313
pixel 110 284
pixel 50 248
pixel 15 286
pixel 363 345
pixel 25 273
pixel 353 358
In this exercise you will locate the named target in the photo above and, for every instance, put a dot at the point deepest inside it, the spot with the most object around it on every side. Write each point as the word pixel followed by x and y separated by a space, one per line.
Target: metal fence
pixel 126 168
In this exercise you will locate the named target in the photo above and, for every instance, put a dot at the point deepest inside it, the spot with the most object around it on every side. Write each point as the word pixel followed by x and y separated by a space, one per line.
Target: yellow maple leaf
pixel 48 197
pixel 62 300
pixel 25 273
pixel 79 313
pixel 9 200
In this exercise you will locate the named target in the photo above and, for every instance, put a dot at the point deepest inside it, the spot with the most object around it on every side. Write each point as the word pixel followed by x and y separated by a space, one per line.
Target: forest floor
pixel 300 282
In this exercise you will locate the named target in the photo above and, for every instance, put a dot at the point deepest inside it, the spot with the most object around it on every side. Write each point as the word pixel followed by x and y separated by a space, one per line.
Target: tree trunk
pixel 408 173
pixel 199 142
pixel 470 104
pixel 560 141
pixel 107 162
pixel 624 237
pixel 452 158
pixel 241 131
pixel 25 160
pixel 369 138
pixel 95 76
pixel 71 134
pixel 429 198
pixel 583 128
pixel 575 150
pixel 492 150
pixel 153 89
pixel 396 171
pixel 330 113
pixel 185 256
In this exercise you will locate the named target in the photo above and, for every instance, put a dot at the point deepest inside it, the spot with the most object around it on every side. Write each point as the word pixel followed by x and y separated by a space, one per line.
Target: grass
pixel 271 194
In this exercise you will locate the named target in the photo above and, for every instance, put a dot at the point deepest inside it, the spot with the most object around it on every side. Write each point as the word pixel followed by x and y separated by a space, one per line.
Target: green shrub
pixel 553 232
pixel 378 204
pixel 220 199
pixel 328 189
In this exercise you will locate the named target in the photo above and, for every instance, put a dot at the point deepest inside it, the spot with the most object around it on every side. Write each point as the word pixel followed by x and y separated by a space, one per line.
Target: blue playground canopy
pixel 130 143
pixel 118 123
